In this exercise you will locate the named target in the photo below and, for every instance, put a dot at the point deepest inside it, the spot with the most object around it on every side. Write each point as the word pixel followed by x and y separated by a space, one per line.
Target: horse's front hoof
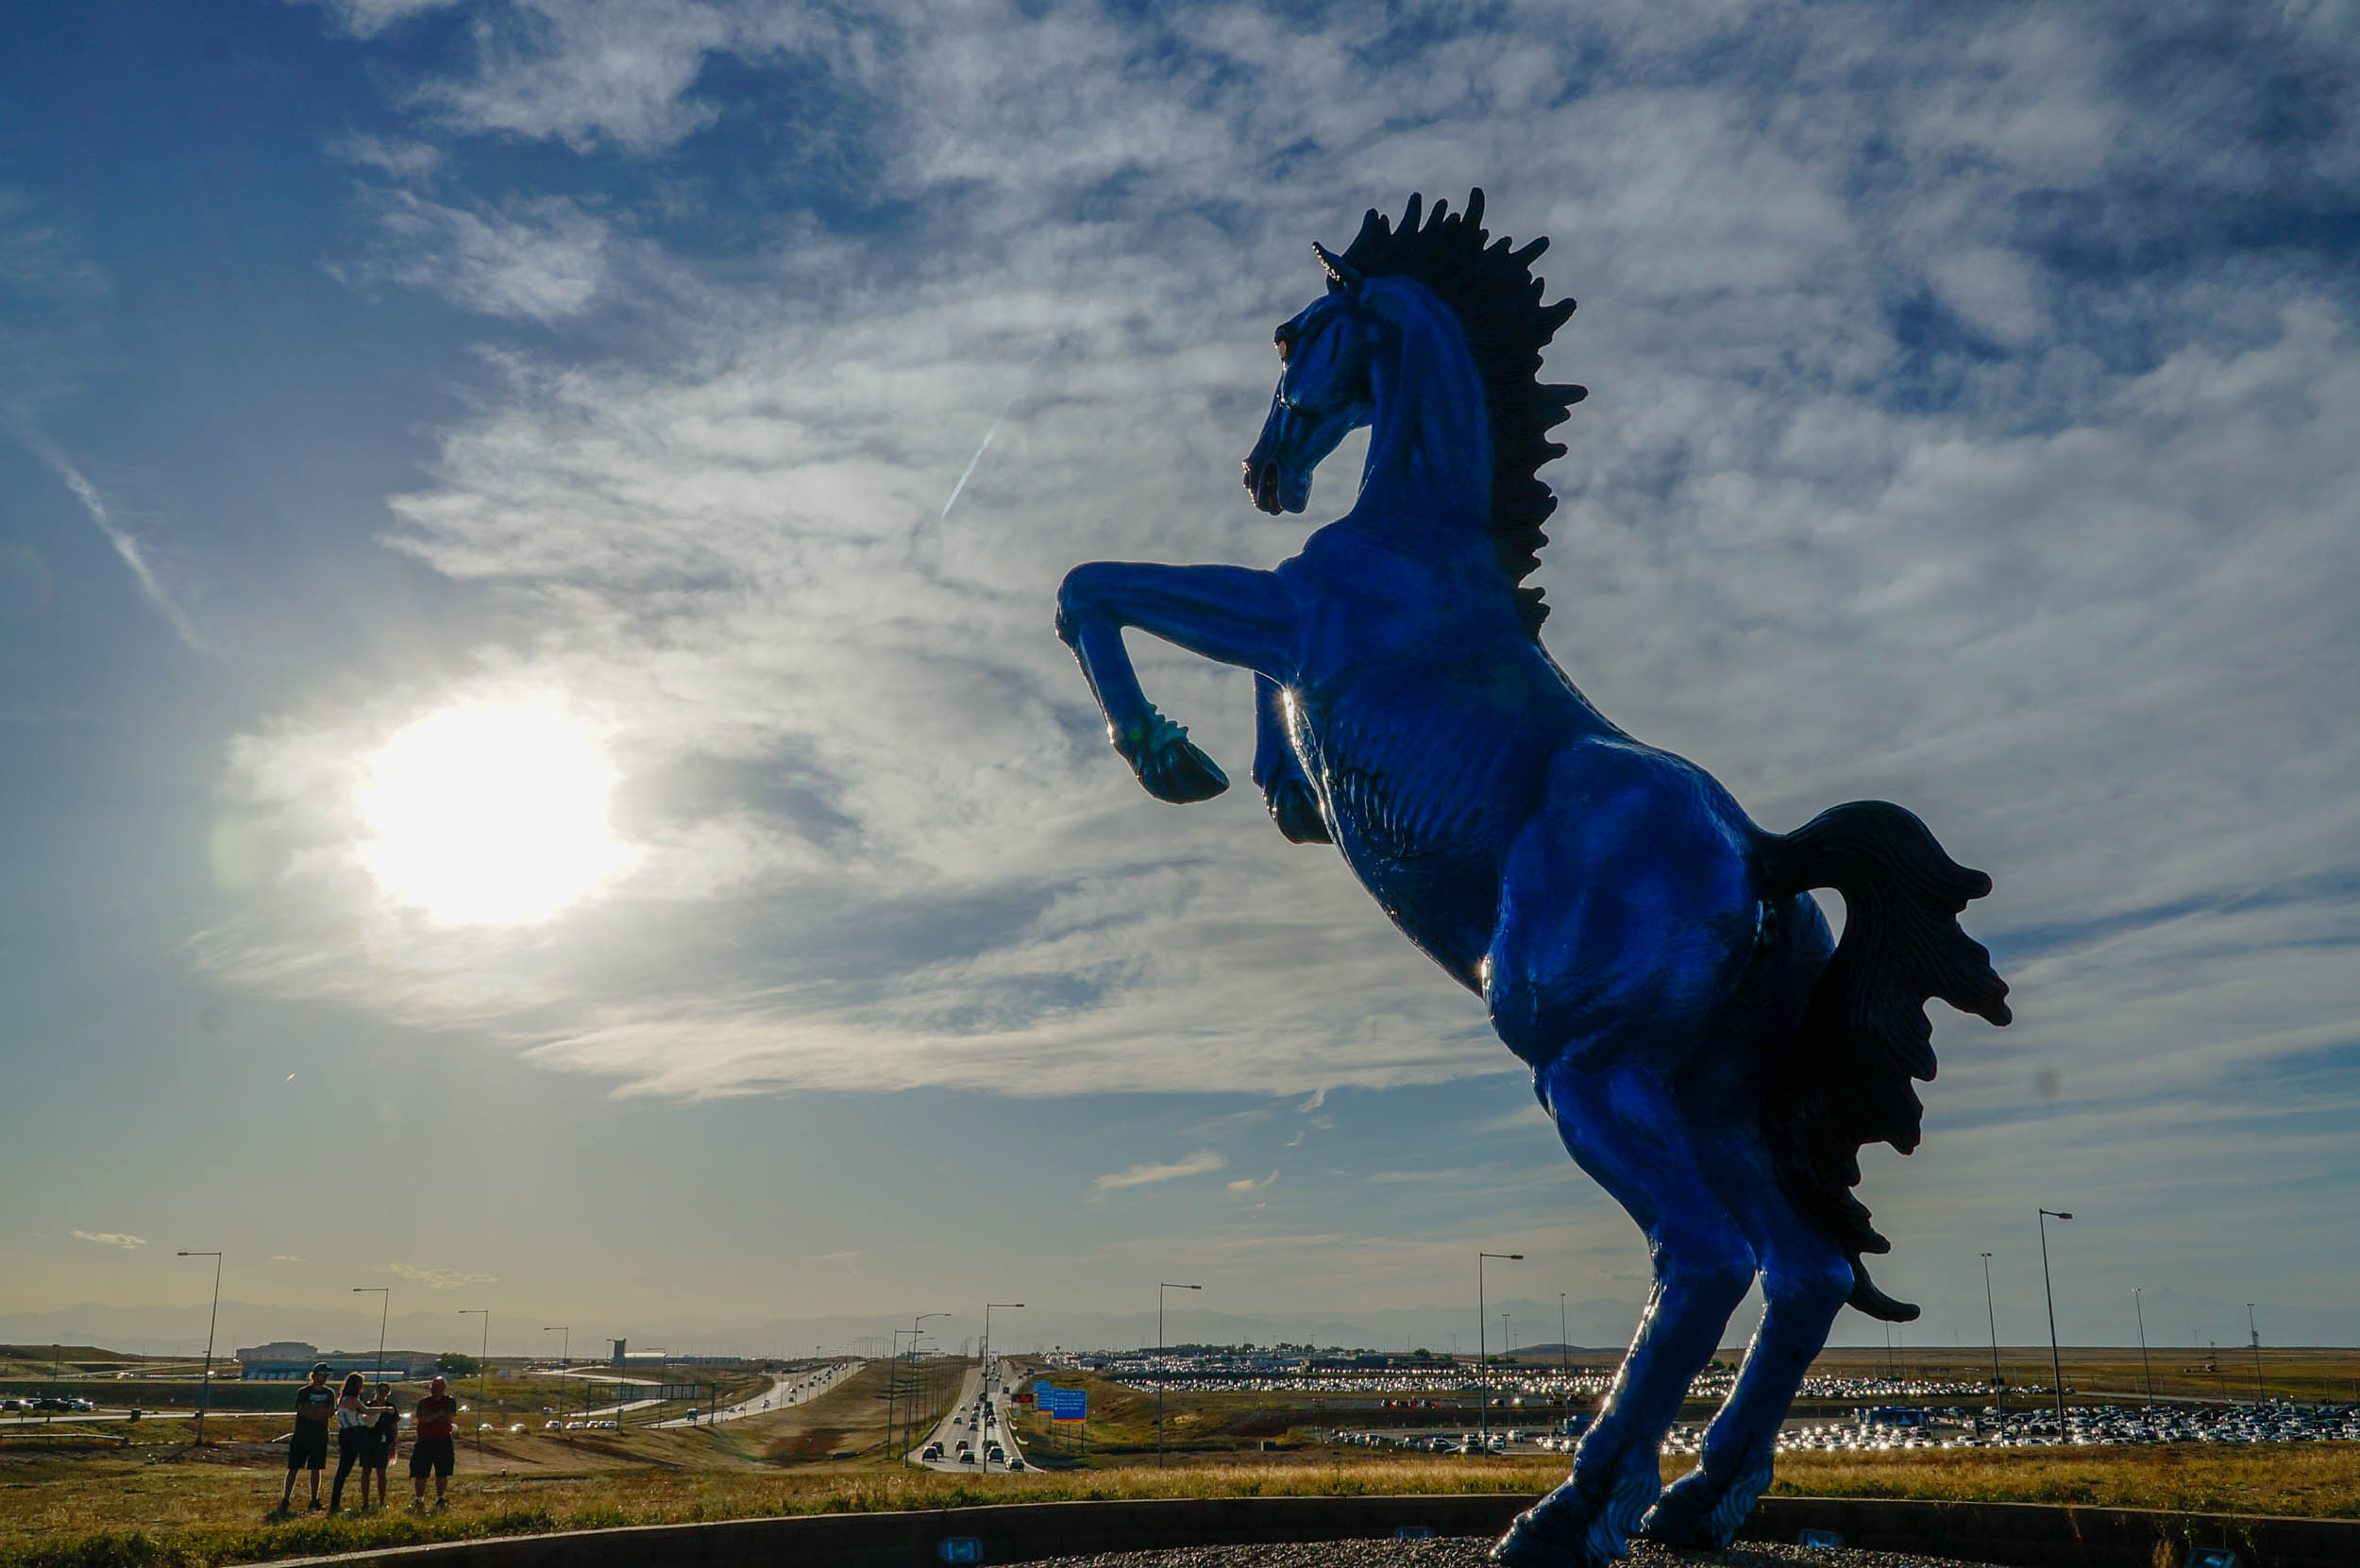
pixel 1177 771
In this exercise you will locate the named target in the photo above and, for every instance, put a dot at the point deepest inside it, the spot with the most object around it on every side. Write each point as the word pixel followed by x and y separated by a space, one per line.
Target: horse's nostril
pixel 1265 486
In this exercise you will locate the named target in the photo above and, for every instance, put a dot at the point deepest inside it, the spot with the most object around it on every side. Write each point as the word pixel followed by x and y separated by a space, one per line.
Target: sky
pixel 534 769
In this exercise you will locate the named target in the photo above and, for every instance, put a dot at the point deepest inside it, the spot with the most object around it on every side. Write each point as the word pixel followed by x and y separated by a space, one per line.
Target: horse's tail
pixel 1843 1079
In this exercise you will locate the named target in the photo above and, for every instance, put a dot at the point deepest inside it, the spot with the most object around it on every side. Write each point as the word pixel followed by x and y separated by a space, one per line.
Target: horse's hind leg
pixel 1805 1281
pixel 1624 1127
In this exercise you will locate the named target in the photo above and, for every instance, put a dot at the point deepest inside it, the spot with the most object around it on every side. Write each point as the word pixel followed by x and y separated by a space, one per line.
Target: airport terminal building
pixel 292 1361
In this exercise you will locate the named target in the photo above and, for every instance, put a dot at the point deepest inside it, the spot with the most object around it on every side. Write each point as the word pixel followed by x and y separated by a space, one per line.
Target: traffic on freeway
pixel 784 1390
pixel 975 1438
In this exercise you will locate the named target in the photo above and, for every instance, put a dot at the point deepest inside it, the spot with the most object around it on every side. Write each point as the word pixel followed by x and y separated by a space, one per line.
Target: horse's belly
pixel 1423 813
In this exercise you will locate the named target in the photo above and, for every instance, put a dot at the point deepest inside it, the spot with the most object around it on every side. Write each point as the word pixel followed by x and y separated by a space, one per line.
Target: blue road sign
pixel 959 1548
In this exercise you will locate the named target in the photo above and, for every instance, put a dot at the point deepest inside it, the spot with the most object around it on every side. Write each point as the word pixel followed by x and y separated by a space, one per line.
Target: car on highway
pixel 966 1455
pixel 932 1451
pixel 1017 1462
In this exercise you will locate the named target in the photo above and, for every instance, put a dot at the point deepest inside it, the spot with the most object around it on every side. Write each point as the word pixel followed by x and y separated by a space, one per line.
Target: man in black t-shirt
pixel 315 1405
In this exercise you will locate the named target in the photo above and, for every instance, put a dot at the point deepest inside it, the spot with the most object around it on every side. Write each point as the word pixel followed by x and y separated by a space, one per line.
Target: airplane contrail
pixel 997 421
pixel 125 546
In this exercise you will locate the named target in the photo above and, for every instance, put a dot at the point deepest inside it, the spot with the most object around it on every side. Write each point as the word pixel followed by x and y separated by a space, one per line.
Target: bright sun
pixel 490 814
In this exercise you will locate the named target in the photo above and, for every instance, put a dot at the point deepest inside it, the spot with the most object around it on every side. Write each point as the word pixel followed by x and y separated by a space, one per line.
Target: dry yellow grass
pixel 98 1509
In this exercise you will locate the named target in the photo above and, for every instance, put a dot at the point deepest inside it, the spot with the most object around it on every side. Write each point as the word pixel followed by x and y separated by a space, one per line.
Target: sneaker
pixel 316 1503
pixel 441 1503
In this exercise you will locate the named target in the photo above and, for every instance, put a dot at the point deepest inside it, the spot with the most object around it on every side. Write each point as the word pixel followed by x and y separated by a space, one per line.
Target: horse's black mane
pixel 1497 301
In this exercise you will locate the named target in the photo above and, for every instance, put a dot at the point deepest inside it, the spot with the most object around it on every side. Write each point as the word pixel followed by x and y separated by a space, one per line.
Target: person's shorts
pixel 308 1448
pixel 432 1455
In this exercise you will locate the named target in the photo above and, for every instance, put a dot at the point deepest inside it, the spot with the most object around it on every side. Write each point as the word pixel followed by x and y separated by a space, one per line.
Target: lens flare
pixel 491 814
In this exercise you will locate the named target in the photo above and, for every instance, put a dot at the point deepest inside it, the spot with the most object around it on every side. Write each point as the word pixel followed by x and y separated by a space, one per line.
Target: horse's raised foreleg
pixel 1623 1127
pixel 1293 805
pixel 1228 614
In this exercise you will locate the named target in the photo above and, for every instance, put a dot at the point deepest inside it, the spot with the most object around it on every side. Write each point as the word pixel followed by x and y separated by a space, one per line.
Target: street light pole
pixel 1160 1370
pixel 384 1310
pixel 1564 1363
pixel 986 1358
pixel 204 1389
pixel 2056 1364
pixel 1999 1384
pixel 1483 1385
pixel 2256 1334
pixel 2146 1368
pixel 893 1388
pixel 482 1371
pixel 565 1355
pixel 909 1436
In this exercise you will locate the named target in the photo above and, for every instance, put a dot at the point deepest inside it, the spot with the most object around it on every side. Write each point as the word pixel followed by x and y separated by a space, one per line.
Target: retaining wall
pixel 2021 1535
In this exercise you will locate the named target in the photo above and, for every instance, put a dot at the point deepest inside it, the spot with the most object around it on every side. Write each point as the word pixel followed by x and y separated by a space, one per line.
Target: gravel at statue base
pixel 1475 1552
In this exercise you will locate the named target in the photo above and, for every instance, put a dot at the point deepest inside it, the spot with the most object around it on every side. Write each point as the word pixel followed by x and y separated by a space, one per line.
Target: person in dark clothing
pixel 307 1448
pixel 384 1436
pixel 355 1423
pixel 432 1451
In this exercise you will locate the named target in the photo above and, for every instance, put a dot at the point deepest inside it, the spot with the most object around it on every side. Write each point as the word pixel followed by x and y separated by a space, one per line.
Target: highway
pixel 785 1389
pixel 782 1391
pixel 967 1424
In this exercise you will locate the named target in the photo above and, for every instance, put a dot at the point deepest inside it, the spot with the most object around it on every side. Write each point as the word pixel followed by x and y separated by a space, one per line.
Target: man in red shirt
pixel 430 1446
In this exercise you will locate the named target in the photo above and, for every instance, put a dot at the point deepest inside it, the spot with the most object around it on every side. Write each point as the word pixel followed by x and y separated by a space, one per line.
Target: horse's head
pixel 1322 394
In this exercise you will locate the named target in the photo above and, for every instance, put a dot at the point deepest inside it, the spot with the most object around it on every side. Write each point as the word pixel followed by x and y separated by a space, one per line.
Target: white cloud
pixel 398 156
pixel 368 18
pixel 1253 1184
pixel 441 1279
pixel 544 261
pixel 1198 1164
pixel 284 1257
pixel 113 1239
pixel 2083 601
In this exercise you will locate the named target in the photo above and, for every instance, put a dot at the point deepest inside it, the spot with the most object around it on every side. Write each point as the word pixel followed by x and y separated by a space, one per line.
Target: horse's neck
pixel 1429 463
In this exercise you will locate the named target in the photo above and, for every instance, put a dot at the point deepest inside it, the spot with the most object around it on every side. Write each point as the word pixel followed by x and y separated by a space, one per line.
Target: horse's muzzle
pixel 1261 482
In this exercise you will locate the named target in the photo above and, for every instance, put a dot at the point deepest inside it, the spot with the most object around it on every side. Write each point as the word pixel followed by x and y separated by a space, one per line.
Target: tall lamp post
pixel 566 1354
pixel 1160 1371
pixel 384 1310
pixel 2147 1369
pixel 204 1389
pixel 986 1358
pixel 893 1389
pixel 1999 1384
pixel 1564 1363
pixel 2255 1334
pixel 1482 1379
pixel 907 1442
pixel 2056 1363
pixel 482 1371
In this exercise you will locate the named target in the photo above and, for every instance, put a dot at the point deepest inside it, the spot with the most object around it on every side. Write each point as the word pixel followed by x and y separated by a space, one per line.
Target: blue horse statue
pixel 1710 1056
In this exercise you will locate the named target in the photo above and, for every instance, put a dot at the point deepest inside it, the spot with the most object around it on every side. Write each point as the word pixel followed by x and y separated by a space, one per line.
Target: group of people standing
pixel 368 1431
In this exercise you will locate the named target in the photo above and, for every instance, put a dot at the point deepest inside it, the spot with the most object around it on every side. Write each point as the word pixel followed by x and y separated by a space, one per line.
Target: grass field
pixel 159 1503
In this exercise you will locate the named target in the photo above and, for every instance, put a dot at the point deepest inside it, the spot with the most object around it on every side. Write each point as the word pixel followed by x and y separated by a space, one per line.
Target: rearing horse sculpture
pixel 1709 1056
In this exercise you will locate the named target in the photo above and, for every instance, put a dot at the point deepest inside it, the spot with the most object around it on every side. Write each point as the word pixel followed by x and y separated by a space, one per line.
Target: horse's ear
pixel 1340 274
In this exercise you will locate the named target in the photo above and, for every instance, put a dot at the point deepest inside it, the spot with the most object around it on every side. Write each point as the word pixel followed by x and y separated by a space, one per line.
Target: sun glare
pixel 491 815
